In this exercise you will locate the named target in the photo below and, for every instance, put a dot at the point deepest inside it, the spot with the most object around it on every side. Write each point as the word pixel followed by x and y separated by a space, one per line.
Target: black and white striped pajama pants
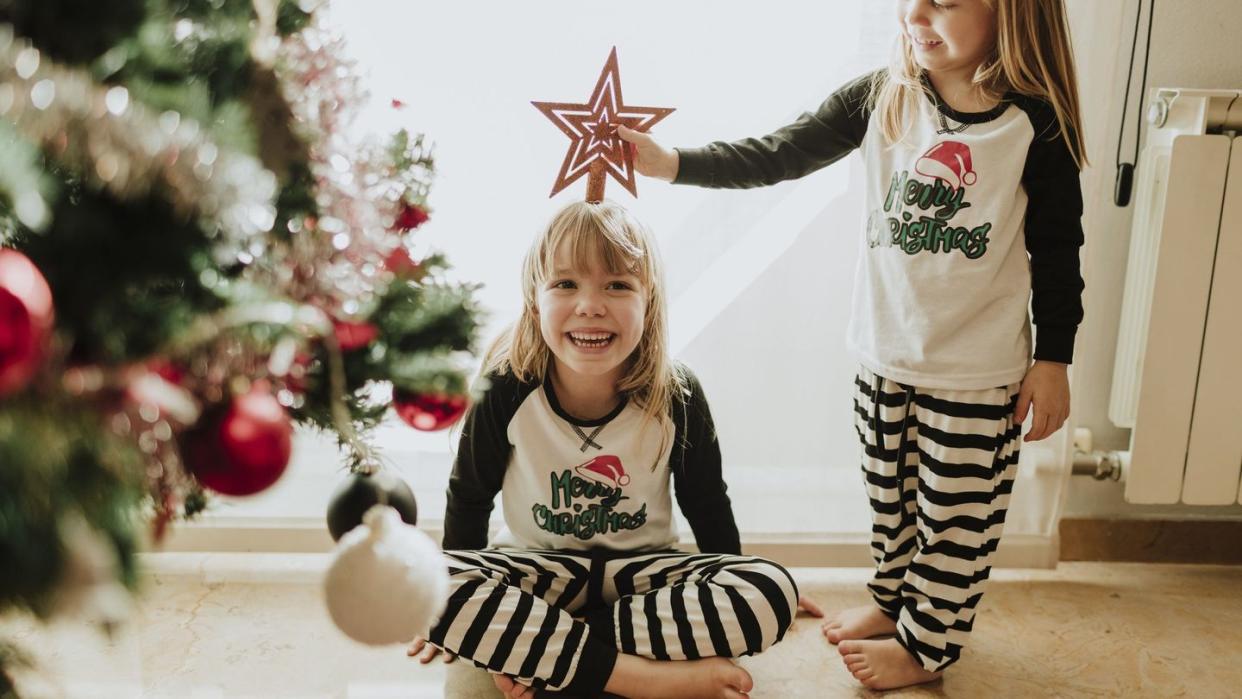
pixel 557 619
pixel 939 467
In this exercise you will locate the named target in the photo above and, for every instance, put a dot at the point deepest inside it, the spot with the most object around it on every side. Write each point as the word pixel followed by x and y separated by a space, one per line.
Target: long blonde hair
pixel 595 233
pixel 1033 56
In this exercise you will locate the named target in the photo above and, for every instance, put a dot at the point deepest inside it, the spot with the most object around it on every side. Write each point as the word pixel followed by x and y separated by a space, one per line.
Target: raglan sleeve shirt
pixel 972 231
pixel 559 496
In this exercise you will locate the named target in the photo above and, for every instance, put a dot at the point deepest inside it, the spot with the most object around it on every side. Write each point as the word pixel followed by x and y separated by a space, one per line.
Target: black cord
pixel 1125 103
pixel 1125 171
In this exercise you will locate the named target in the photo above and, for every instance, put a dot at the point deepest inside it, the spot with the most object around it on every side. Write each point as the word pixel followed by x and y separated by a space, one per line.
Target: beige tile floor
pixel 213 626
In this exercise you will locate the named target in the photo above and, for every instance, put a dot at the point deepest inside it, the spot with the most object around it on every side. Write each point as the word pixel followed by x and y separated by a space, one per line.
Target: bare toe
pixel 741 680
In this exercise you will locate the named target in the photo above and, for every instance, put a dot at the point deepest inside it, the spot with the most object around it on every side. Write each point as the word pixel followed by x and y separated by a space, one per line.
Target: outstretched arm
pixel 815 140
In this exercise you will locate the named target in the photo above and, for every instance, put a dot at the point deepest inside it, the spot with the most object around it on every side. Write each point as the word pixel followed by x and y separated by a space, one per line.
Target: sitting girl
pixel 590 429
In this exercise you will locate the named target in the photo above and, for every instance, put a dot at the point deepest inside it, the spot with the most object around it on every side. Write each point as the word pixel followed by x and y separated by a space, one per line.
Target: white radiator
pixel 1177 381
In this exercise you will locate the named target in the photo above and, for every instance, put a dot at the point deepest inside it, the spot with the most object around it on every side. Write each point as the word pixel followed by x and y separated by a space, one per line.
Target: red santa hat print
pixel 604 469
pixel 948 161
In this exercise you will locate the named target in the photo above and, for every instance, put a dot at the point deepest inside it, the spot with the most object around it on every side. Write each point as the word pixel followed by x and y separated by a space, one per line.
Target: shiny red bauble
pixel 25 320
pixel 401 264
pixel 351 336
pixel 243 449
pixel 428 411
pixel 410 216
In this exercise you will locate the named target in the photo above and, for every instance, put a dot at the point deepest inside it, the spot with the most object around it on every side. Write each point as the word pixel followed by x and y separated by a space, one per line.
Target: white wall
pixel 1194 43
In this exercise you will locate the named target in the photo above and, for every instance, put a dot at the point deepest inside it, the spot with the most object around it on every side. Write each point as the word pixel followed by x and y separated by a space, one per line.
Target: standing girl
pixel 972 144
pixel 584 424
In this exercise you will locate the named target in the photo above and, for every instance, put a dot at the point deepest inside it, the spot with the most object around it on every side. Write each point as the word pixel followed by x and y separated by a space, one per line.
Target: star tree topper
pixel 595 148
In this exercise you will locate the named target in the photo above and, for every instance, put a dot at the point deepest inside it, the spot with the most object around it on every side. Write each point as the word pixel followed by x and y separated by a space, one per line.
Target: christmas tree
pixel 195 255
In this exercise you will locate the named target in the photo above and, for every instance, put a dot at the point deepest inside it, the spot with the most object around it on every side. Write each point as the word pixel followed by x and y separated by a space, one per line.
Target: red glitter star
pixel 595 147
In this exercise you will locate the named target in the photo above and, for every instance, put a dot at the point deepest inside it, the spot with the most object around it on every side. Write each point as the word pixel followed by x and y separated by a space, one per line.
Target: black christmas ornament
pixel 360 491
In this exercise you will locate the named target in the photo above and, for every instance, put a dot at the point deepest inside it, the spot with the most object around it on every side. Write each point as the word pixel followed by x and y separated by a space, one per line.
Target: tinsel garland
pixel 360 185
pixel 120 146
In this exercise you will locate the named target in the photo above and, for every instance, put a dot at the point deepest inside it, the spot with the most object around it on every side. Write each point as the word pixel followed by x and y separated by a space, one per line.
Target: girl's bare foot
pixel 883 664
pixel 709 678
pixel 857 623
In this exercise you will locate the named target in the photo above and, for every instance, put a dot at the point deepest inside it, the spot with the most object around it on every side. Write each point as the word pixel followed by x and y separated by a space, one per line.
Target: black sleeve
pixel 814 141
pixel 697 478
pixel 1053 236
pixel 479 469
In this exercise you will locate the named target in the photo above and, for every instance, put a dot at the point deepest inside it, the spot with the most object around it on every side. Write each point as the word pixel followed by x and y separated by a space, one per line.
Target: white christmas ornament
pixel 389 581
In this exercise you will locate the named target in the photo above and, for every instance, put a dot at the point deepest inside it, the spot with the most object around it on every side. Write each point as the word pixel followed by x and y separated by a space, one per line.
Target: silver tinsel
pixel 128 150
pixel 358 190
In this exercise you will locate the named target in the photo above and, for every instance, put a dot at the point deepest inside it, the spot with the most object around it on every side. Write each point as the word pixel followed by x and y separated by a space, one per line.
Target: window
pixel 759 280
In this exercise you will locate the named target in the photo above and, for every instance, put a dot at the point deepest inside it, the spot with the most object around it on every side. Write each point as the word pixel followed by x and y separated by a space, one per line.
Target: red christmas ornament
pixel 351 336
pixel 401 264
pixel 410 217
pixel 26 316
pixel 428 411
pixel 245 449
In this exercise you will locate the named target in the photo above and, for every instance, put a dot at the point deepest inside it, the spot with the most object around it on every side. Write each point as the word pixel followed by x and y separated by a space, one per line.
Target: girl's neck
pixel 585 397
pixel 957 89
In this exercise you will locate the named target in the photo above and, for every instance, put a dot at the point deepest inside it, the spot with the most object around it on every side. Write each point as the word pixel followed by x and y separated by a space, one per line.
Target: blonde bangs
pixel 1033 57
pixel 592 240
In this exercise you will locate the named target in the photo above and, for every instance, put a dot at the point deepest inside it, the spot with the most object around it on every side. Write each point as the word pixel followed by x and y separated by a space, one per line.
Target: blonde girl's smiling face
pixel 953 35
pixel 591 318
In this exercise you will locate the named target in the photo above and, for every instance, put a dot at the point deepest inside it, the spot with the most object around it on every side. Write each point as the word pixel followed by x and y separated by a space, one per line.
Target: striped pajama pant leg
pixel 510 612
pixel 939 468
pixel 514 612
pixel 678 606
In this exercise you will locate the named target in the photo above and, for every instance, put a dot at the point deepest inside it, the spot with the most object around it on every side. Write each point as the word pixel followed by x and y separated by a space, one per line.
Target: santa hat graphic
pixel 604 469
pixel 948 161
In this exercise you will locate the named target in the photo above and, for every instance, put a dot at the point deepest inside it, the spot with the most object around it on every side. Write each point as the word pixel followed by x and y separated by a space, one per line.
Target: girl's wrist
pixel 674 164
pixel 1049 363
